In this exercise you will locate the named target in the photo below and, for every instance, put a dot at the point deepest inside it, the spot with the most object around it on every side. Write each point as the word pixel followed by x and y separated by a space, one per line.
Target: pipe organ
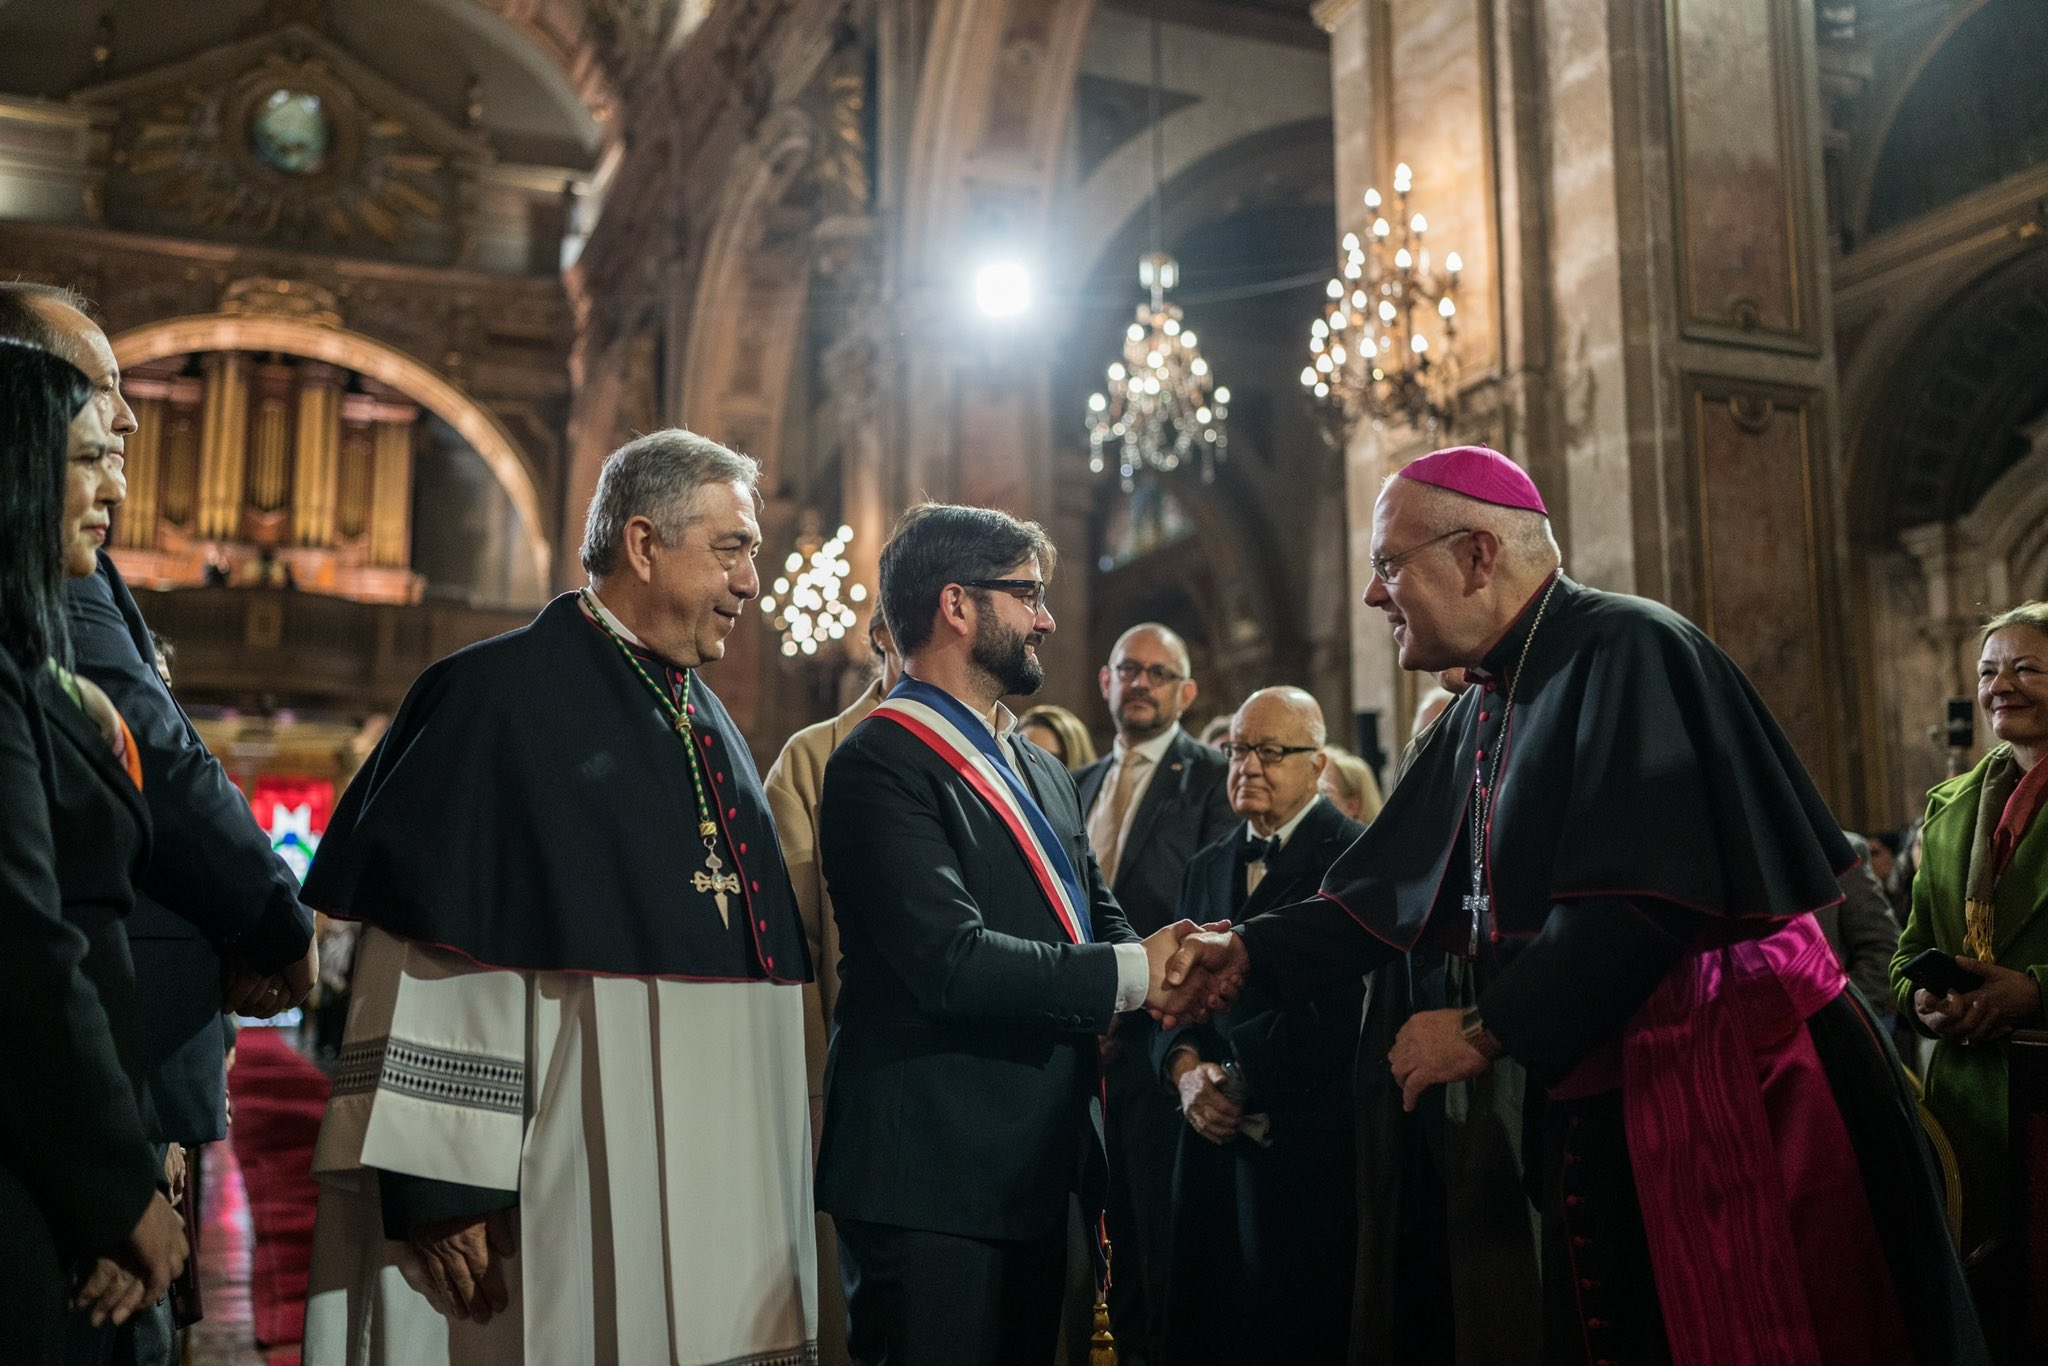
pixel 268 470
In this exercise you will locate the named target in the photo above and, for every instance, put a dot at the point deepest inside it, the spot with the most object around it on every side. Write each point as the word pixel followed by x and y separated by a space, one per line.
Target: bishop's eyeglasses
pixel 1388 567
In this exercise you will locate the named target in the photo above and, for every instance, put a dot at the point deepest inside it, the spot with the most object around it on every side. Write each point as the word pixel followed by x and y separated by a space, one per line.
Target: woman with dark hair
pixel 80 1216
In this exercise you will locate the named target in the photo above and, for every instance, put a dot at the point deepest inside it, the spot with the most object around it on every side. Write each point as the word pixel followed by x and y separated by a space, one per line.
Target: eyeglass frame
pixel 1387 568
pixel 1029 591
pixel 1158 675
pixel 1238 753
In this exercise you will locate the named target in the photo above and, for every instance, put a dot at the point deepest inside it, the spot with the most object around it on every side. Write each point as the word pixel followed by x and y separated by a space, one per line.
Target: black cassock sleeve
pixel 1298 950
pixel 411 1201
pixel 1576 983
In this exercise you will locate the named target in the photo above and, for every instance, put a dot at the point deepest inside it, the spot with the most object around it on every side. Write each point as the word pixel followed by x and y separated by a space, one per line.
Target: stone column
pixel 316 469
pixel 223 446
pixel 1636 193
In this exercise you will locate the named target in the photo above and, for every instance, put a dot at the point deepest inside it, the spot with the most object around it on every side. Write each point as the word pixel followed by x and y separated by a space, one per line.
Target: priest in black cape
pixel 1620 854
pixel 570 1122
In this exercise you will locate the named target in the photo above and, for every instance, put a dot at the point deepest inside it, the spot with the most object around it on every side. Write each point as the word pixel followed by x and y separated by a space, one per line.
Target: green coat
pixel 1966 1087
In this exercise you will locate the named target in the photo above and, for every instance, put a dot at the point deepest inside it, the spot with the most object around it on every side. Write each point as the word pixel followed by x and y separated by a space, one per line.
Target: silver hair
pixel 1524 533
pixel 657 476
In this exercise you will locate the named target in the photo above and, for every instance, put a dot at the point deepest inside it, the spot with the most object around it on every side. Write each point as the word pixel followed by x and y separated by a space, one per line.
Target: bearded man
pixel 982 955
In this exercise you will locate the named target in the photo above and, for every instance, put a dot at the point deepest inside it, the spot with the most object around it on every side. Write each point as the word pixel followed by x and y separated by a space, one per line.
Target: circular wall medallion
pixel 291 131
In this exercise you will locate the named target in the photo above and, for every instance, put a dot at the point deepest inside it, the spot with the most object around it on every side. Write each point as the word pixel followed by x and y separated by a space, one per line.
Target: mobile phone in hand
pixel 1939 973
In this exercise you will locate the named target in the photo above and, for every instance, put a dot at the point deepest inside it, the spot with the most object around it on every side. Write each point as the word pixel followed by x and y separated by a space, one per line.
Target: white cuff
pixel 1133 976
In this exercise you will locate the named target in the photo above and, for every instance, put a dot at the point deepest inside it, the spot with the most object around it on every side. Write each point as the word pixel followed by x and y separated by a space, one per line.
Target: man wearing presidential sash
pixel 982 955
pixel 570 1124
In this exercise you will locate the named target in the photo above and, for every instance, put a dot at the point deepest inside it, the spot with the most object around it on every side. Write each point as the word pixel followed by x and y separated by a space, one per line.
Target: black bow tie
pixel 1258 851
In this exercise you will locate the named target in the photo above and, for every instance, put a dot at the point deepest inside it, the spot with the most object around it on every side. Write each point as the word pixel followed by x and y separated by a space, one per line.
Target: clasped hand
pixel 138 1272
pixel 1209 1112
pixel 262 995
pixel 1196 970
pixel 2008 1000
pixel 1432 1049
pixel 464 1261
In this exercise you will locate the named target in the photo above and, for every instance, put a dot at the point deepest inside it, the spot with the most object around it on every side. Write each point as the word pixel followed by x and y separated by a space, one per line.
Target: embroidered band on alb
pixel 476 1081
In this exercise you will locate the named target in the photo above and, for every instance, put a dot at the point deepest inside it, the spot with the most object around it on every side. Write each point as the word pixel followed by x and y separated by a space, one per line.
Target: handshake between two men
pixel 1195 971
pixel 1198 970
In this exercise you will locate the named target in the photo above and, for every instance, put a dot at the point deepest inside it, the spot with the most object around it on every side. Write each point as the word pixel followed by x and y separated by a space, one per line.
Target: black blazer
pixel 961 1091
pixel 213 886
pixel 1184 808
pixel 72 1117
pixel 1297 1057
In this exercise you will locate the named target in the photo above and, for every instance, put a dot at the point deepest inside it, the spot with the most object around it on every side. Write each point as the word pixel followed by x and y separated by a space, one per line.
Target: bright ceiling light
pixel 1002 289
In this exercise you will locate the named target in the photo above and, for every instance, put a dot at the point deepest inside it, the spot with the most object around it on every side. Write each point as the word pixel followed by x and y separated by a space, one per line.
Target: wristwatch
pixel 1472 1028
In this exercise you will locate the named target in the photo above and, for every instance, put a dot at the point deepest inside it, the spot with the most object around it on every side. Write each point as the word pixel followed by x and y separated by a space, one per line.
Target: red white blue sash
pixel 1048 864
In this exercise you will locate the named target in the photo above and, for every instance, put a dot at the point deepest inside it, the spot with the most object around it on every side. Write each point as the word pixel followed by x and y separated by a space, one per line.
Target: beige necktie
pixel 1106 826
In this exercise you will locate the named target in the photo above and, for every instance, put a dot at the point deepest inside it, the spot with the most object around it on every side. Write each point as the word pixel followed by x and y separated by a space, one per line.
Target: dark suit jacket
pixel 71 1120
pixel 1297 1057
pixel 1184 808
pixel 213 887
pixel 961 1086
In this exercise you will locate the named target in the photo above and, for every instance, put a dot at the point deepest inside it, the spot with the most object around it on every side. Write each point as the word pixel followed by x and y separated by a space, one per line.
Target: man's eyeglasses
pixel 1388 567
pixel 1031 591
pixel 1269 755
pixel 1158 675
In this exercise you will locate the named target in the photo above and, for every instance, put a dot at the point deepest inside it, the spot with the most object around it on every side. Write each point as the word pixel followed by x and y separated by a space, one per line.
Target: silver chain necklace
pixel 1478 904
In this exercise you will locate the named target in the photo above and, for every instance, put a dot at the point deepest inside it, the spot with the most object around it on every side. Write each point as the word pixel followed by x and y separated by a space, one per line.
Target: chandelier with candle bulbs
pixel 811 602
pixel 1162 407
pixel 1371 357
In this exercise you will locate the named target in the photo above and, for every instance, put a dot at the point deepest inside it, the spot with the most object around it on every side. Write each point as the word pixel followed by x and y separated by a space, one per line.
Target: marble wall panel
pixel 1441 127
pixel 1736 170
pixel 1760 590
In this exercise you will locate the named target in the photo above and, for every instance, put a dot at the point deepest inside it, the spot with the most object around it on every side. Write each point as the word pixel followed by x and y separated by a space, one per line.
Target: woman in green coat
pixel 1982 895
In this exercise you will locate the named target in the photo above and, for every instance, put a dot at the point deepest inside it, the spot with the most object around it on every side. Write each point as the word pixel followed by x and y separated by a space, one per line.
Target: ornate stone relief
pixel 285 138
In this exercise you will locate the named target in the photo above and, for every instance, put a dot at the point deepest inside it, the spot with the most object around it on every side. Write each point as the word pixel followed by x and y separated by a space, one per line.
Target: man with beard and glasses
pixel 982 956
pixel 1155 800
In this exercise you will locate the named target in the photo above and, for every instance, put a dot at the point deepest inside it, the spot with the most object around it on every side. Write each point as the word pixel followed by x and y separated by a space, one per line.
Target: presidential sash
pixel 915 708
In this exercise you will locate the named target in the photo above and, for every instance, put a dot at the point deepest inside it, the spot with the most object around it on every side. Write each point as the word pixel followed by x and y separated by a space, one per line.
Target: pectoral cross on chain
pixel 715 882
pixel 1476 904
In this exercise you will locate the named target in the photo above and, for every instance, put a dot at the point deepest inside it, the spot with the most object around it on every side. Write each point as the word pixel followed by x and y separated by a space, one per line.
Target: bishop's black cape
pixel 531 807
pixel 1647 805
pixel 1639 764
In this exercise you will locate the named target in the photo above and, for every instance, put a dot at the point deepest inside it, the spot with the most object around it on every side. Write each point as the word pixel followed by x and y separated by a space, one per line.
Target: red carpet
pixel 279 1097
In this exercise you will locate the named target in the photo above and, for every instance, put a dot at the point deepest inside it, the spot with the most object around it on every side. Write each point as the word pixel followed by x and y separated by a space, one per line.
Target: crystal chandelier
pixel 1370 360
pixel 1162 406
pixel 811 602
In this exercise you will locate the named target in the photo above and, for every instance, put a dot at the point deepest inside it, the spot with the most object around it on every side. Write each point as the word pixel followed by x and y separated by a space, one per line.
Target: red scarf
pixel 2020 809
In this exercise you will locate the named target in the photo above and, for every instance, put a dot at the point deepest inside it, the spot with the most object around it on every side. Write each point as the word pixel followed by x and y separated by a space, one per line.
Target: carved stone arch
pixel 1940 412
pixel 1877 125
pixel 2009 526
pixel 993 102
pixel 746 325
pixel 508 462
